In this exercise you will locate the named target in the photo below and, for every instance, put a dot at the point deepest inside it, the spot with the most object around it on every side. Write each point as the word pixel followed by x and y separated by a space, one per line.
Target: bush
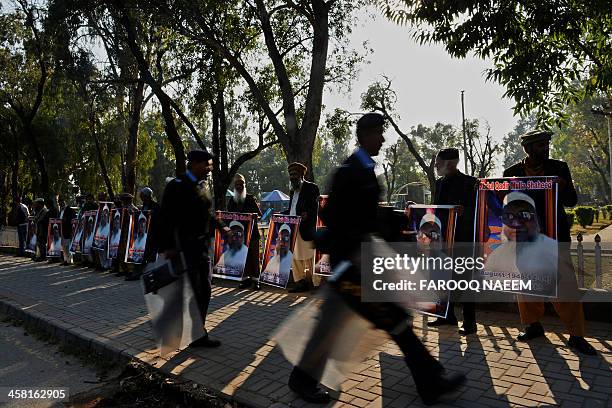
pixel 570 218
pixel 609 210
pixel 596 214
pixel 584 215
pixel 603 212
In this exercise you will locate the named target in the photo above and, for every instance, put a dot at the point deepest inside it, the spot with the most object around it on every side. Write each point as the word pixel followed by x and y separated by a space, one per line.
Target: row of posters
pixel 98 230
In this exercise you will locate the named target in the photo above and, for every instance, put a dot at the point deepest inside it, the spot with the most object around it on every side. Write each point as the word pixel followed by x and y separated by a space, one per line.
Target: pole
pixel 465 158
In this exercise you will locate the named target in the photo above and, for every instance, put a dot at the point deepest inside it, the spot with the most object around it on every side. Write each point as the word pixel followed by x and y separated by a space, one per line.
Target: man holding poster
pixel 536 144
pixel 455 188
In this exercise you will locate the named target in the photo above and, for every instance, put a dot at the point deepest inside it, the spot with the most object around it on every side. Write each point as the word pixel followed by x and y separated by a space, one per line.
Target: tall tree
pixel 511 145
pixel 481 151
pixel 538 48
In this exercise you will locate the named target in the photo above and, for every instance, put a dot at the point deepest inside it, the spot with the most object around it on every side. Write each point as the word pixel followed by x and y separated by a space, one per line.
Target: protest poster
pixel 89 222
pixel 54 238
pixel 115 232
pixel 434 229
pixel 278 254
pixel 102 228
pixel 31 236
pixel 137 236
pixel 516 224
pixel 322 265
pixel 77 235
pixel 231 251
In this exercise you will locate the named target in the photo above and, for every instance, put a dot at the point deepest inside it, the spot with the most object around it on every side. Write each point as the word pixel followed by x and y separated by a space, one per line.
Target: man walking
pixel 350 217
pixel 186 222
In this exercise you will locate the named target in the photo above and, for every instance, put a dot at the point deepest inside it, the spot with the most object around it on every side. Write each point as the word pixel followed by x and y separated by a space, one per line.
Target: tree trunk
pixel 132 145
pixel 101 162
pixel 40 163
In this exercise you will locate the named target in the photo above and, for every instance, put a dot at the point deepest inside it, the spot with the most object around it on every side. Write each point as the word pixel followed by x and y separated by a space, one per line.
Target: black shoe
pixel 256 285
pixel 442 322
pixel 307 388
pixel 245 284
pixel 205 342
pixel 583 346
pixel 533 331
pixel 435 389
pixel 468 328
pixel 300 286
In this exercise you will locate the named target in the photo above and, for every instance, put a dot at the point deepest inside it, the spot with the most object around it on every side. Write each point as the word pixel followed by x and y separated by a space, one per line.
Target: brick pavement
pixel 109 313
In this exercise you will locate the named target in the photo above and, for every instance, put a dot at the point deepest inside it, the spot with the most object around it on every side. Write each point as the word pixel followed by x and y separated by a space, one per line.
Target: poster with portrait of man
pixel 516 224
pixel 114 238
pixel 434 229
pixel 31 236
pixel 137 236
pixel 278 255
pixel 322 265
pixel 88 231
pixel 76 243
pixel 231 249
pixel 54 238
pixel 102 227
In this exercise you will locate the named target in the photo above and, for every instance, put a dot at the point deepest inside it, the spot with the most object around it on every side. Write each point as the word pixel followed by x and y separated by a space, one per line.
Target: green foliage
pixel 539 49
pixel 571 217
pixel 584 215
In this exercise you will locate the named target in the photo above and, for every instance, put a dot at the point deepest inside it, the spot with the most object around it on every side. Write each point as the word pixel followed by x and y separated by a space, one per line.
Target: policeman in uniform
pixel 455 188
pixel 350 216
pixel 536 144
pixel 187 223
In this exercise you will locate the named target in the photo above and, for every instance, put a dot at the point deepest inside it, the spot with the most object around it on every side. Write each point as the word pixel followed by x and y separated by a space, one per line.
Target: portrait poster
pixel 114 239
pixel 322 265
pixel 31 236
pixel 434 230
pixel 54 238
pixel 137 236
pixel 76 245
pixel 278 255
pixel 102 227
pixel 231 251
pixel 88 231
pixel 516 226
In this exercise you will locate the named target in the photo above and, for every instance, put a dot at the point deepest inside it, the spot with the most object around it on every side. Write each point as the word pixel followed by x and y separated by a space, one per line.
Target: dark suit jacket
pixel 567 196
pixel 67 217
pixel 187 214
pixel 248 206
pixel 352 208
pixel 459 189
pixel 308 203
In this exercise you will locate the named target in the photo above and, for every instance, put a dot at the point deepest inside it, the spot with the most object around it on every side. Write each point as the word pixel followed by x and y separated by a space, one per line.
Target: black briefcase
pixel 162 273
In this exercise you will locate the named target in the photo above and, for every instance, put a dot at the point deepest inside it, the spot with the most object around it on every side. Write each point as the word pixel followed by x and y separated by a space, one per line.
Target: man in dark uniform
pixel 303 202
pixel 242 202
pixel 187 223
pixel 67 214
pixel 350 217
pixel 455 188
pixel 536 144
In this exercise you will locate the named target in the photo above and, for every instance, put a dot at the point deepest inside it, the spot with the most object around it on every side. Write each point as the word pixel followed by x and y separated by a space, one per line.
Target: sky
pixel 426 79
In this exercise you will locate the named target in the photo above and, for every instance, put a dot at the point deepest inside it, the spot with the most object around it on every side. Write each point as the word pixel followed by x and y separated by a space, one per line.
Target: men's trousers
pixel 22 234
pixel 200 279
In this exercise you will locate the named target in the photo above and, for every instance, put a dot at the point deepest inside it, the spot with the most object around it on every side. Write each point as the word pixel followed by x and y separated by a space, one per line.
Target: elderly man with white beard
pixel 242 202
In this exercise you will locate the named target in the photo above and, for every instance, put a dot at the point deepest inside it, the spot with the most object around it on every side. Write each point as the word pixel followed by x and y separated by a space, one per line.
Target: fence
pixel 598 254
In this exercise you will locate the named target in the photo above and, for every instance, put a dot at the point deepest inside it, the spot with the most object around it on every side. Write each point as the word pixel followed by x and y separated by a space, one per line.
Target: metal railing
pixel 597 253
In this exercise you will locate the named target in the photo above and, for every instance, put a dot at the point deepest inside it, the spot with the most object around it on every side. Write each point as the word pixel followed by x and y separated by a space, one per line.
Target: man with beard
pixel 186 225
pixel 140 240
pixel 303 202
pixel 350 217
pixel 242 202
pixel 115 237
pixel 455 188
pixel 277 269
pixel 536 144
pixel 234 257
pixel 55 245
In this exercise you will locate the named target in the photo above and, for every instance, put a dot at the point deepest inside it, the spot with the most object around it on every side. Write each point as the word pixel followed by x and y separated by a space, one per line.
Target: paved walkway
pixel 110 313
